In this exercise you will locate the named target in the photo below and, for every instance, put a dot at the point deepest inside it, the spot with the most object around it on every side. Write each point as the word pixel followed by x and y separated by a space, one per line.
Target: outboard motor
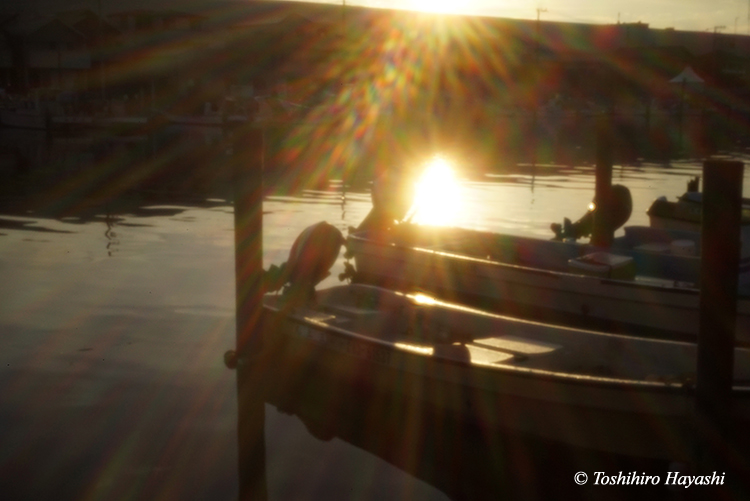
pixel 312 255
pixel 622 208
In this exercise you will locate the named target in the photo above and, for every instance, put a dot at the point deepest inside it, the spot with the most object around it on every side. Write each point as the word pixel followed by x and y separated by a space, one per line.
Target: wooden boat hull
pixel 645 419
pixel 686 215
pixel 644 306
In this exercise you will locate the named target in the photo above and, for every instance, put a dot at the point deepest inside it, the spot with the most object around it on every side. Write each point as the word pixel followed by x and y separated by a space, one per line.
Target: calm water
pixel 117 304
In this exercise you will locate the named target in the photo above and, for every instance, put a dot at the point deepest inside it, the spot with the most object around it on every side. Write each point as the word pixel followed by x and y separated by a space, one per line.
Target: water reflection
pixel 26 224
pixel 109 233
pixel 438 199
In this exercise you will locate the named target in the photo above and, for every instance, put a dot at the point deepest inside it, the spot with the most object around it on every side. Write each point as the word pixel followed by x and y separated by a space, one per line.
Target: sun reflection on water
pixel 438 196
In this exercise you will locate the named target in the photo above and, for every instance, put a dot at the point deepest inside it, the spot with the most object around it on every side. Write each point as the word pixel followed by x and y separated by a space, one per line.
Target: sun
pixel 438 198
pixel 438 6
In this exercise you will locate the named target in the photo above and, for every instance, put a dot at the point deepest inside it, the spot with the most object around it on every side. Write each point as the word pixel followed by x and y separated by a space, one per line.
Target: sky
pixel 692 15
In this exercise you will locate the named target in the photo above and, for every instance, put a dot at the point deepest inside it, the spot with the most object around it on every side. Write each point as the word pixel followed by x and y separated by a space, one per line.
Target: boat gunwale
pixel 532 270
pixel 743 299
pixel 597 382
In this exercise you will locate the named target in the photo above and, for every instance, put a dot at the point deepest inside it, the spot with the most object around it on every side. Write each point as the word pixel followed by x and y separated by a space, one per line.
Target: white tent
pixel 687 76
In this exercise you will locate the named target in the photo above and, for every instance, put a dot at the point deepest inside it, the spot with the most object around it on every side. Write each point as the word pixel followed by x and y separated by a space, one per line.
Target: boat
pixel 616 394
pixel 369 356
pixel 367 353
pixel 685 212
pixel 394 352
pixel 645 283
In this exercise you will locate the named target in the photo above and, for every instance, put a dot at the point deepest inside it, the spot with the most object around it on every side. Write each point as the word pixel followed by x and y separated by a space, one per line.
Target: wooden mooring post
pixel 720 255
pixel 602 233
pixel 247 165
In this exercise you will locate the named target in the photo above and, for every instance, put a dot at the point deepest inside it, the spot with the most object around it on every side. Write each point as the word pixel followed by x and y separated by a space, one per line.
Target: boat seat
pixel 517 345
pixel 604 265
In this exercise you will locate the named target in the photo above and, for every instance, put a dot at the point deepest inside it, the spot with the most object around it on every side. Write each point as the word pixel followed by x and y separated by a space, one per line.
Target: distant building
pixel 192 58
pixel 134 21
pixel 56 53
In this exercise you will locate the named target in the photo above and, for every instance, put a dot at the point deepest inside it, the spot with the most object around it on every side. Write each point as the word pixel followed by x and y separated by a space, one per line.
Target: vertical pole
pixel 248 241
pixel 534 134
pixel 602 233
pixel 537 91
pixel 720 254
pixel 681 115
pixel 98 50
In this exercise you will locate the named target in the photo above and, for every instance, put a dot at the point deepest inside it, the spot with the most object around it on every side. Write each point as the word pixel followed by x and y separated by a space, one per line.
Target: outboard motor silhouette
pixel 312 255
pixel 622 207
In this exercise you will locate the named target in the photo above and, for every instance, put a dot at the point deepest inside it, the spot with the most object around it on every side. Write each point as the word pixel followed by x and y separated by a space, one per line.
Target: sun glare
pixel 439 6
pixel 438 199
